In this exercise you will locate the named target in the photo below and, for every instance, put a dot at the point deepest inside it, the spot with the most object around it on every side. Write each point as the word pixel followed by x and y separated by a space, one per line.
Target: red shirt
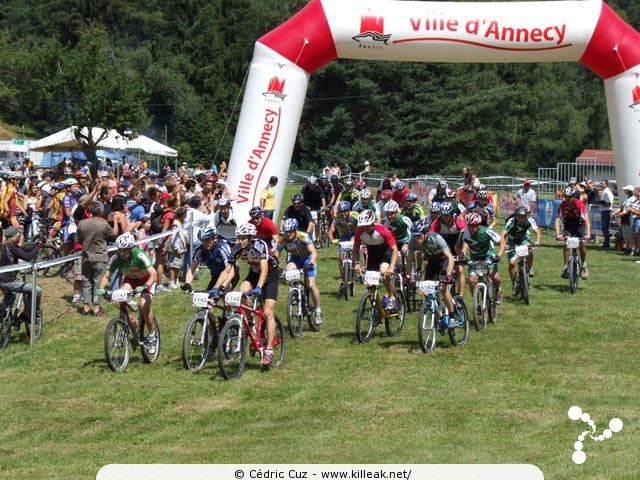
pixel 400 196
pixel 266 230
pixel 575 212
pixel 380 236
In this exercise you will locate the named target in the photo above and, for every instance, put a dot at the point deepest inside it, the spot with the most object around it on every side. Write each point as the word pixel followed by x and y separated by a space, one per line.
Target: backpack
pixel 156 219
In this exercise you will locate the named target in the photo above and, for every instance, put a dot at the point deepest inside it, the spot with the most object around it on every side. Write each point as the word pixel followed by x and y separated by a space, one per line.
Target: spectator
pixel 623 213
pixel 177 247
pixel 526 197
pixel 605 202
pixel 268 198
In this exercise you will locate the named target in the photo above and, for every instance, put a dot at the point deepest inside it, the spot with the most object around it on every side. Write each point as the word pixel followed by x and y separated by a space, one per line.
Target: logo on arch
pixel 275 89
pixel 372 32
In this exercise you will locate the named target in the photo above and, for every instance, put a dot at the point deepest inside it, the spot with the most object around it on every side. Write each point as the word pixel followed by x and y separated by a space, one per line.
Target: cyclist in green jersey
pixel 480 241
pixel 399 225
pixel 412 208
pixel 349 194
pixel 516 232
pixel 138 274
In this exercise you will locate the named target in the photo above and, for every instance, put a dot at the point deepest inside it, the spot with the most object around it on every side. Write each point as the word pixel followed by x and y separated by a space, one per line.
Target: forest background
pixel 174 70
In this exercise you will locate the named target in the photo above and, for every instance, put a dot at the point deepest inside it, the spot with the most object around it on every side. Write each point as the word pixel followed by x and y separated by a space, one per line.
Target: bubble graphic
pixel 585 417
pixel 615 425
pixel 578 457
pixel 578 445
pixel 607 433
pixel 574 413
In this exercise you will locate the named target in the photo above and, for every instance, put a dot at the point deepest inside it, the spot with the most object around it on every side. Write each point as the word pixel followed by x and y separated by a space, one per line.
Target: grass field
pixel 503 398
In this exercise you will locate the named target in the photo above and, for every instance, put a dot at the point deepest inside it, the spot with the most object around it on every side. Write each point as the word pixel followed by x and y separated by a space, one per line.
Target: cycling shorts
pixel 376 256
pixel 300 262
pixel 575 230
pixel 436 266
pixel 136 282
pixel 270 288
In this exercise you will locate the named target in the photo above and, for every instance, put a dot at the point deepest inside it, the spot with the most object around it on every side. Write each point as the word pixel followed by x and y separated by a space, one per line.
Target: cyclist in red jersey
pixel 573 214
pixel 382 251
pixel 267 230
pixel 449 226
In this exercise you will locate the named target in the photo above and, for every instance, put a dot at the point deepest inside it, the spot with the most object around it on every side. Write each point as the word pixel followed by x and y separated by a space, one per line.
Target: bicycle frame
pixel 238 309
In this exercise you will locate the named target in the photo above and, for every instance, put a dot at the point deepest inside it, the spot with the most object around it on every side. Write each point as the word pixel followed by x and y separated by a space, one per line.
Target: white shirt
pixel 607 197
pixel 198 219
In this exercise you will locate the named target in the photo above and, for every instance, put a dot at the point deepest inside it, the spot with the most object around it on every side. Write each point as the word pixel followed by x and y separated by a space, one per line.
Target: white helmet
pixel 69 182
pixel 126 240
pixel 366 217
pixel 365 194
pixel 247 229
pixel 391 207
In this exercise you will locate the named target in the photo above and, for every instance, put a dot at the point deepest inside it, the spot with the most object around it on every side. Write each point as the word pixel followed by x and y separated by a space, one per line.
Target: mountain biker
pixel 412 208
pixel 262 279
pixel 449 226
pixel 381 248
pixel 399 225
pixel 480 241
pixel 573 215
pixel 343 227
pixel 302 255
pixel 439 261
pixel 138 273
pixel 215 253
pixel 516 232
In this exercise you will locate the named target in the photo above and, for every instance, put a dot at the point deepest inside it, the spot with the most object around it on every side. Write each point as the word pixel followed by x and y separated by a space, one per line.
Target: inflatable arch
pixel 586 31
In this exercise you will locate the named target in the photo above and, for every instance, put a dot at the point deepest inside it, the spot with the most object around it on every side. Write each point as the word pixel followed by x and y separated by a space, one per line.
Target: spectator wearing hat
pixel 14 249
pixel 365 172
pixel 624 214
pixel 268 198
pixel 526 197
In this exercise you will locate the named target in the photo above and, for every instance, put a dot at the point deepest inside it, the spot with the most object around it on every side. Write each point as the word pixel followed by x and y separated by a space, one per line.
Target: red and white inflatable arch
pixel 585 31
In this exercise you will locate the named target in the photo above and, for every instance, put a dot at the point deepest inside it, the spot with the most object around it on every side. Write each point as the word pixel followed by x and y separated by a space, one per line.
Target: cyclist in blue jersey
pixel 302 254
pixel 215 254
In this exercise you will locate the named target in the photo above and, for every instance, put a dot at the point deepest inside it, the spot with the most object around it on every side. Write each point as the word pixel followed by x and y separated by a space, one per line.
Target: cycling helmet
pixel 482 194
pixel 129 174
pixel 474 219
pixel 400 185
pixel 442 184
pixel 312 180
pixel 435 207
pixel 522 210
pixel 446 208
pixel 207 232
pixel 297 198
pixel 481 186
pixel 290 225
pixel 569 192
pixel 224 202
pixel 334 178
pixel 412 197
pixel 348 182
pixel 256 212
pixel 365 194
pixel 451 194
pixel 247 229
pixel 324 176
pixel 80 174
pixel 344 206
pixel 126 240
pixel 421 226
pixel 57 186
pixel 70 182
pixel 391 207
pixel 366 217
pixel 385 194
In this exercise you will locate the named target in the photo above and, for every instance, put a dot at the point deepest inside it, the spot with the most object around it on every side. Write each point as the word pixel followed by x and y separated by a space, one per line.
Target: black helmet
pixel 297 198
pixel 522 210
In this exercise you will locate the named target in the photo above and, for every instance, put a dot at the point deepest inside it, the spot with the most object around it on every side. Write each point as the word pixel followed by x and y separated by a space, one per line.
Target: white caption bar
pixel 319 472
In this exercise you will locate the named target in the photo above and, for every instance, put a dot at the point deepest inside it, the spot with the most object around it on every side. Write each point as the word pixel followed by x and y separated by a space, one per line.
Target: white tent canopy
pixel 65 140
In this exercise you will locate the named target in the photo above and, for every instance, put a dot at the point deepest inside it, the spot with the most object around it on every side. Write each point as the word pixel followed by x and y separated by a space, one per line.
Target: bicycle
pixel 574 266
pixel 12 317
pixel 431 314
pixel 200 337
pixel 371 310
pixel 522 272
pixel 124 333
pixel 404 285
pixel 52 250
pixel 323 229
pixel 485 305
pixel 347 287
pixel 299 303
pixel 240 328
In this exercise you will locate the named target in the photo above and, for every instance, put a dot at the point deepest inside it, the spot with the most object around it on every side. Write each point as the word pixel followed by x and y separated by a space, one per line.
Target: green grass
pixel 503 398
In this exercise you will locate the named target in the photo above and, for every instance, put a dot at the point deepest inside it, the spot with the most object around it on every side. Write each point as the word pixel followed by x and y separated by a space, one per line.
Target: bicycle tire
pixel 232 350
pixel 146 356
pixel 279 342
pixel 574 274
pixel 460 334
pixel 366 318
pixel 5 327
pixel 524 284
pixel 50 252
pixel 479 313
pixel 117 348
pixel 427 335
pixel 294 314
pixel 38 325
pixel 195 343
pixel 393 323
pixel 311 313
pixel 346 273
pixel 492 304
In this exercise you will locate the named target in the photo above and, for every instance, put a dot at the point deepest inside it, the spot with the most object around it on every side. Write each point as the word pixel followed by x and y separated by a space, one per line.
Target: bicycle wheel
pixel 346 274
pixel 324 235
pixel 50 252
pixel 366 318
pixel 278 342
pixel 146 356
pixel 492 305
pixel 5 327
pixel 460 334
pixel 116 345
pixel 412 297
pixel 232 351
pixel 574 273
pixel 479 313
pixel 195 343
pixel 311 313
pixel 38 325
pixel 523 279
pixel 394 321
pixel 427 335
pixel 294 313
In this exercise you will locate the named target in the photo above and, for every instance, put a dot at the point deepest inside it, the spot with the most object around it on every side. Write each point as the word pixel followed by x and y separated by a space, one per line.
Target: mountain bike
pixel 11 315
pixel 431 316
pixel 485 305
pixel 200 337
pixel 400 282
pixel 239 328
pixel 522 273
pixel 574 266
pixel 347 286
pixel 124 333
pixel 323 229
pixel 299 303
pixel 371 310
pixel 52 250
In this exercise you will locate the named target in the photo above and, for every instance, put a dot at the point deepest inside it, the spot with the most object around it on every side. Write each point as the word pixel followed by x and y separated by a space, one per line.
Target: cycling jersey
pixel 256 251
pixel 400 196
pixel 313 196
pixel 573 213
pixel 379 242
pixel 352 196
pixel 136 268
pixel 298 246
pixel 519 233
pixel 327 190
pixel 450 233
pixel 225 227
pixel 215 259
pixel 361 207
pixel 414 213
pixel 400 228
pixel 345 227
pixel 487 212
pixel 266 230
pixel 438 195
pixel 434 245
pixel 302 215
pixel 481 245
